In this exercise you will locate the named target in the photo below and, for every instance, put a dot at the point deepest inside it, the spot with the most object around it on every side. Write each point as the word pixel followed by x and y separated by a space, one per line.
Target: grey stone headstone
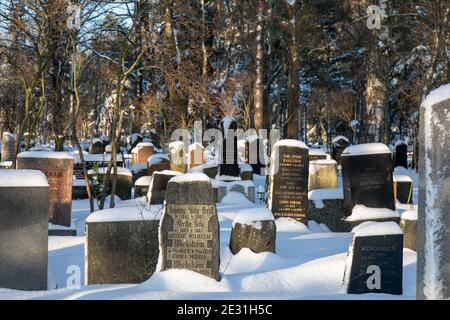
pixel 331 214
pixel 121 251
pixel 158 187
pixel 288 186
pixel 258 240
pixel 433 225
pixel 8 142
pixel 189 230
pixel 23 231
pixel 409 228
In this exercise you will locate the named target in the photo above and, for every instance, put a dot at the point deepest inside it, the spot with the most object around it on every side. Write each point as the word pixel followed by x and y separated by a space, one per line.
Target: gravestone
pixel 58 167
pixel 433 236
pixel 317 154
pixel 141 186
pixel 23 229
pixel 158 162
pixel 323 174
pixel 96 147
pixel 408 223
pixel 403 189
pixel 367 177
pixel 142 152
pixel 326 206
pixel 401 155
pixel 288 180
pixel 196 155
pixel 134 140
pixel 122 248
pixel 254 229
pixel 229 166
pixel 177 156
pixel 375 259
pixel 338 145
pixel 124 181
pixel 8 142
pixel 79 191
pixel 189 230
pixel 158 186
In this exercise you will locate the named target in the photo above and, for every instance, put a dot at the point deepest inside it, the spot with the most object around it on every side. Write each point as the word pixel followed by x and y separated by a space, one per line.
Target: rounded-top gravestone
pixel 401 155
pixel 58 167
pixel 189 231
pixel 8 143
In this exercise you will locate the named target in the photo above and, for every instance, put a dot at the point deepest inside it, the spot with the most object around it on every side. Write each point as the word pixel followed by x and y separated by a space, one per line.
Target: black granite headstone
pixel 288 181
pixel 229 166
pixel 401 155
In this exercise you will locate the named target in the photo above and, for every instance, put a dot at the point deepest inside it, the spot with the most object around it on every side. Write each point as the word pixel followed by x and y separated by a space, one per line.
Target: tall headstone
pixel 433 225
pixel 189 229
pixel 58 167
pixel 177 156
pixel 367 177
pixel 8 142
pixel 23 230
pixel 288 181
pixel 338 145
pixel 229 167
pixel 401 155
pixel 375 259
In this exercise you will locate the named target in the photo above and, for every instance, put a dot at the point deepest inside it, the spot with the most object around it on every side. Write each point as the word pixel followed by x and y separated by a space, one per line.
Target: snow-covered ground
pixel 309 264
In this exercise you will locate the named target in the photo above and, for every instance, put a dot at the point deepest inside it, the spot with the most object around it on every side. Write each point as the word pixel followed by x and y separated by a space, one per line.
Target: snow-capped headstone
pixel 317 154
pixel 142 152
pixel 375 259
pixel 122 245
pixel 189 232
pixel 158 186
pixel 8 142
pixel 23 229
pixel 158 162
pixel 177 156
pixel 196 155
pixel 79 191
pixel 255 229
pixel 58 167
pixel 367 177
pixel 403 188
pixel 288 181
pixel 124 181
pixel 401 155
pixel 326 206
pixel 96 147
pixel 229 166
pixel 323 174
pixel 433 233
pixel 338 145
pixel 141 186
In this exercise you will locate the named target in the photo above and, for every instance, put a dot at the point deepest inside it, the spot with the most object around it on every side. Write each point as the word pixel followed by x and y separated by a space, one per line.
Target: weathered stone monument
pixel 158 186
pixel 177 156
pixel 408 223
pixel 58 167
pixel 23 229
pixel 122 246
pixel 326 206
pixel 375 259
pixel 367 177
pixel 189 230
pixel 8 142
pixel 433 225
pixel 401 155
pixel 323 174
pixel 254 229
pixel 288 181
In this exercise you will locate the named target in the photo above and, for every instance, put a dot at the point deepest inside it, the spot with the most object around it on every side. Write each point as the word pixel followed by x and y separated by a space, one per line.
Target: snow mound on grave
pixel 120 171
pixel 234 197
pixel 247 261
pixel 319 195
pixel 116 199
pixel 290 225
pixel 183 281
pixel 157 158
pixel 143 181
pixel 45 154
pixel 253 217
pixel 371 228
pixel 290 143
pixel 22 178
pixel 131 213
pixel 366 149
pixel 409 215
pixel 190 177
pixel 361 212
pixel 437 96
